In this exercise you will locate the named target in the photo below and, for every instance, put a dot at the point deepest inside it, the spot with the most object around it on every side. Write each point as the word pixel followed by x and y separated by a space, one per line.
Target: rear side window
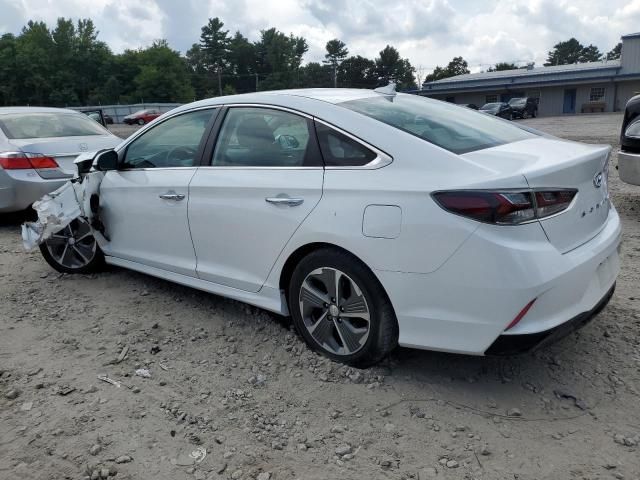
pixel 454 128
pixel 338 150
pixel 48 125
pixel 264 137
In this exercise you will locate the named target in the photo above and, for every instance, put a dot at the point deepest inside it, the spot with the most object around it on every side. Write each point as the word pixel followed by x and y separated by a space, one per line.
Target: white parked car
pixel 372 218
pixel 37 149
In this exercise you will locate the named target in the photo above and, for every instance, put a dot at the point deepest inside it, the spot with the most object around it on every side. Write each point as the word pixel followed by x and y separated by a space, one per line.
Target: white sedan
pixel 374 219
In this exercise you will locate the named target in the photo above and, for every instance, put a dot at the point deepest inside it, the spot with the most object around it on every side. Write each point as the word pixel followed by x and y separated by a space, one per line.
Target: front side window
pixel 264 137
pixel 596 94
pixel 459 130
pixel 48 125
pixel 172 143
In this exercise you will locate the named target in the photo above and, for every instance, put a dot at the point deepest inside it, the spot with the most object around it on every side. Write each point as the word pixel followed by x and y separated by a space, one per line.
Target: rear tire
pixel 355 325
pixel 140 121
pixel 73 250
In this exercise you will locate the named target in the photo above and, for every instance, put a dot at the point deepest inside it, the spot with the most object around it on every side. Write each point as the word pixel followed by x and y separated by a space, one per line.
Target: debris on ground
pixel 143 372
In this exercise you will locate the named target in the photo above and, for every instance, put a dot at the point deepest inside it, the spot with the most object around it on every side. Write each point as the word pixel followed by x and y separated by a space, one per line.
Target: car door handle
pixel 171 195
pixel 291 202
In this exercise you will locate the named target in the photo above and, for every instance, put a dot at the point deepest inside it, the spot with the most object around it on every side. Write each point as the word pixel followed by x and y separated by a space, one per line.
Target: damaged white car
pixel 373 218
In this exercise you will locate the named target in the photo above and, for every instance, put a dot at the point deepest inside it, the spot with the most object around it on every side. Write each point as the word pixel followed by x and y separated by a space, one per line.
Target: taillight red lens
pixel 22 161
pixel 11 161
pixel 43 162
pixel 505 207
pixel 550 202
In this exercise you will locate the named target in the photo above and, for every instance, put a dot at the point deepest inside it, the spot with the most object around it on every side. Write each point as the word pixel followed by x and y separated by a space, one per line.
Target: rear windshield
pixel 452 127
pixel 48 125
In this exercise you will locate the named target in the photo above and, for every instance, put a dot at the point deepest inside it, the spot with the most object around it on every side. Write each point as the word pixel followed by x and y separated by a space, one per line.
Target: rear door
pixel 265 176
pixel 144 203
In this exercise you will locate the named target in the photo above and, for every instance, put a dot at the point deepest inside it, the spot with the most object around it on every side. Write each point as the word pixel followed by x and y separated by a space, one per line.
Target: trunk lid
pixel 65 149
pixel 547 162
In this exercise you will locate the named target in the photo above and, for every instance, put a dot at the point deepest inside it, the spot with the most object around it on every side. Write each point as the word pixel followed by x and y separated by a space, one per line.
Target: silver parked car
pixel 37 150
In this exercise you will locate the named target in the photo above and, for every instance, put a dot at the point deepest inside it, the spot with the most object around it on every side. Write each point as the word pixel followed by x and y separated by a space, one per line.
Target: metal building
pixel 578 88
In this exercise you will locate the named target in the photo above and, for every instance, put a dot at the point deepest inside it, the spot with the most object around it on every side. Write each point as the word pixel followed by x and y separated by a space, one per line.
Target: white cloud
pixel 428 32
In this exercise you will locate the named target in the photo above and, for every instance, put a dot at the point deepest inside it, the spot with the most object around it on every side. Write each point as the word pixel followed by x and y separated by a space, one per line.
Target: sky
pixel 427 32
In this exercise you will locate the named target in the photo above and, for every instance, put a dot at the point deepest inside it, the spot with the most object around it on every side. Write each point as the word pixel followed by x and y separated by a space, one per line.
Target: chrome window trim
pixel 125 143
pixel 382 158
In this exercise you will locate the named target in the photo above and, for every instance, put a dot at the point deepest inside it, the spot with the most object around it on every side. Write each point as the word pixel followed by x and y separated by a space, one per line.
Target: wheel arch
pixel 298 254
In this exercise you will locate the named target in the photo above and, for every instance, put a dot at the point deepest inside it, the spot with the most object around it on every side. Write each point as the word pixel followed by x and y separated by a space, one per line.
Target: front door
pixel 265 178
pixel 144 203
pixel 569 105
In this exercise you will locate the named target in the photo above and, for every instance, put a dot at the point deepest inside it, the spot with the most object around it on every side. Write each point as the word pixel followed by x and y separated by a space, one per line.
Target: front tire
pixel 73 249
pixel 340 308
pixel 140 121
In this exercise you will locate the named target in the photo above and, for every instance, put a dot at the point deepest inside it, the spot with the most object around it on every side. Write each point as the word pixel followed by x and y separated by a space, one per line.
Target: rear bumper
pixel 466 304
pixel 629 167
pixel 20 188
pixel 516 344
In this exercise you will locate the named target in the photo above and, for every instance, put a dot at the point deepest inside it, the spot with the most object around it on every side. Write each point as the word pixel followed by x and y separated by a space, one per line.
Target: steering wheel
pixel 181 153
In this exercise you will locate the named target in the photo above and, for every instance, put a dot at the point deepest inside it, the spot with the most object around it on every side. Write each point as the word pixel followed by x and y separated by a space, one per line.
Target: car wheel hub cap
pixel 334 311
pixel 74 246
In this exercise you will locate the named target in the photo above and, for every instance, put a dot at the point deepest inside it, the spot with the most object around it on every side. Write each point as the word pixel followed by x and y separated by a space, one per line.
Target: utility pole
pixel 219 83
pixel 256 81
pixel 335 76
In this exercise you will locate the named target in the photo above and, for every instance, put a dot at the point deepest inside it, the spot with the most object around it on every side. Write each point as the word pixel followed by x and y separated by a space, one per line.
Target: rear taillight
pixel 22 161
pixel 505 207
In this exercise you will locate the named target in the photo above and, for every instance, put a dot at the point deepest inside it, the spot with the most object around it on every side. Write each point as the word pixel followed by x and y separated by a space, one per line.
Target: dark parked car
pixel 524 107
pixel 499 109
pixel 629 155
pixel 141 116
pixel 472 106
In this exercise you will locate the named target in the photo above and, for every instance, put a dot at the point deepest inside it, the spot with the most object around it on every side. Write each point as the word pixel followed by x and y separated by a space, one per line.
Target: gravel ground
pixel 236 382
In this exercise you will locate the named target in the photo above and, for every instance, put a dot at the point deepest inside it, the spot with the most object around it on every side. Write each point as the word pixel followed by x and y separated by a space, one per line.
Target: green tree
pixel 163 76
pixel 501 66
pixel 615 52
pixel 572 51
pixel 279 56
pixel 9 94
pixel 316 75
pixel 336 53
pixel 34 48
pixel 391 67
pixel 214 46
pixel 357 72
pixel 242 63
pixel 457 66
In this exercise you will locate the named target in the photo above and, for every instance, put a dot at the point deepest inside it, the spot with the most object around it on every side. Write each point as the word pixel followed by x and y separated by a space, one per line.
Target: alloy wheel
pixel 335 311
pixel 74 246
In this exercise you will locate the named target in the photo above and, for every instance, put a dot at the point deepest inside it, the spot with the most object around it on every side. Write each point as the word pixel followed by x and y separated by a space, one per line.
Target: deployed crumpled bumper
pixel 59 208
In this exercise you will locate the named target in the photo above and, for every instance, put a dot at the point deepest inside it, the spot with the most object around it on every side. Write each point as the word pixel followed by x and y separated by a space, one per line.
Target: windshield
pixel 48 125
pixel 491 106
pixel 454 128
pixel 517 101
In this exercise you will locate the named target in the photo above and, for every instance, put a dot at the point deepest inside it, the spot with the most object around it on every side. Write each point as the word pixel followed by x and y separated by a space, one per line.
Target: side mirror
pixel 106 160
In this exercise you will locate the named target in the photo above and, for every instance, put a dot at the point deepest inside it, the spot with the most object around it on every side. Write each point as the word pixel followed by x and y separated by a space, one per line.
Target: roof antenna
pixel 389 90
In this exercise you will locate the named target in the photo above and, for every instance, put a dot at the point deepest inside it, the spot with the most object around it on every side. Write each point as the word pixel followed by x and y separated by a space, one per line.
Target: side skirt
pixel 267 298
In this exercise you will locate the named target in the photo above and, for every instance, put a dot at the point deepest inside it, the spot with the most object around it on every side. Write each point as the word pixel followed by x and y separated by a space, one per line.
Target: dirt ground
pixel 236 382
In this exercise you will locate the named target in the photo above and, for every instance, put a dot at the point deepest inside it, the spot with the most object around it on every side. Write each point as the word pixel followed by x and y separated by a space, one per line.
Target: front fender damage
pixel 78 197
